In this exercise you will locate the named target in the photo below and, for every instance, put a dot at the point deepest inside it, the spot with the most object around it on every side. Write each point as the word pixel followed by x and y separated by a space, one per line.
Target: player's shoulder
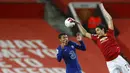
pixel 71 43
pixel 110 32
pixel 58 47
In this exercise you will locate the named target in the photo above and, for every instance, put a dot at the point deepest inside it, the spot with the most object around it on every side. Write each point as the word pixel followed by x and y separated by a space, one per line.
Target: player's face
pixel 99 32
pixel 64 39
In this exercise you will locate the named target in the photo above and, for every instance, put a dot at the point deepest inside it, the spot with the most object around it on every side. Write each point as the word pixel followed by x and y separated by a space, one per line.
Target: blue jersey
pixel 70 57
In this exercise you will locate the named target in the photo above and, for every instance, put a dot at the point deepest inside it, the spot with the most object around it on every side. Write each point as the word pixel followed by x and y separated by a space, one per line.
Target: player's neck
pixel 102 36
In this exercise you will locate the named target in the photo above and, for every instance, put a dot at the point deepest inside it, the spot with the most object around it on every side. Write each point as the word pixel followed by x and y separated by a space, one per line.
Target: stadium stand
pixel 18 1
pixel 21 9
pixel 113 7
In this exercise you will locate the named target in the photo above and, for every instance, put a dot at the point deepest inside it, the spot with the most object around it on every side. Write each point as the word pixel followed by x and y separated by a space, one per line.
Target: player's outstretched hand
pixel 76 22
pixel 79 37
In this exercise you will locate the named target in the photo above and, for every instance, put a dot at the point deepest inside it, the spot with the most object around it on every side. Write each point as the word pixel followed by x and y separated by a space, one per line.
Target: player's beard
pixel 65 42
pixel 101 34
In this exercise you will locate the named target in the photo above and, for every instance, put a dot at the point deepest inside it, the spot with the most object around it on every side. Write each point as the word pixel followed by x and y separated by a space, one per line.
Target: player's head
pixel 100 30
pixel 63 37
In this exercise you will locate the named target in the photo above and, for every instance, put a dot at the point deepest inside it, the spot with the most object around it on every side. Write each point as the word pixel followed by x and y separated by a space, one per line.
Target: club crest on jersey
pixel 72 46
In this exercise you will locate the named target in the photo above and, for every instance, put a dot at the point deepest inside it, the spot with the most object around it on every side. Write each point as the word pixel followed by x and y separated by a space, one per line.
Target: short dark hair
pixel 102 26
pixel 61 34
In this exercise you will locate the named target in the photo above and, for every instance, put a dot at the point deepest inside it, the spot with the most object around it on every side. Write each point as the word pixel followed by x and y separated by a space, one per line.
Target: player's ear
pixel 59 39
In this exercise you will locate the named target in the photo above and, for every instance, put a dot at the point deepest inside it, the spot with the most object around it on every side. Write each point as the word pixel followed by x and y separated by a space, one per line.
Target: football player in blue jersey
pixel 67 51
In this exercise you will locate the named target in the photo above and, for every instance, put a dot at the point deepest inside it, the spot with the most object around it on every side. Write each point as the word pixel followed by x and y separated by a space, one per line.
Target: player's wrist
pixel 77 23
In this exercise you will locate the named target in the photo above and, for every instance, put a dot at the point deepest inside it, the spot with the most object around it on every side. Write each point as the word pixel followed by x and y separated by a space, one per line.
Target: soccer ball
pixel 69 22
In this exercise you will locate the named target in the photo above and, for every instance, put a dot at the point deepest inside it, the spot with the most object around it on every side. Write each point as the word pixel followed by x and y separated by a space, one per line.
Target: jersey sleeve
pixel 59 54
pixel 80 46
pixel 110 32
pixel 94 37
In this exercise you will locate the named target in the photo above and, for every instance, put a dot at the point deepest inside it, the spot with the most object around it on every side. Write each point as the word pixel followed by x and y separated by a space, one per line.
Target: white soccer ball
pixel 69 23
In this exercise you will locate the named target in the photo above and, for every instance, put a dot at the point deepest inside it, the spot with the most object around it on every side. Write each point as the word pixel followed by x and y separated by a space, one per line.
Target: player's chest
pixel 68 49
pixel 105 40
pixel 69 52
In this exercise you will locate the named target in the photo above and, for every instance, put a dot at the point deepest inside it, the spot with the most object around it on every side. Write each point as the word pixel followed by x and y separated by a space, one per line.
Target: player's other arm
pixel 107 16
pixel 83 31
pixel 59 54
pixel 80 46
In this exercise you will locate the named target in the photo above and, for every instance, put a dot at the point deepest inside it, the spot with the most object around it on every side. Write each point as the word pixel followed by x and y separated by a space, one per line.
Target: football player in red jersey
pixel 107 43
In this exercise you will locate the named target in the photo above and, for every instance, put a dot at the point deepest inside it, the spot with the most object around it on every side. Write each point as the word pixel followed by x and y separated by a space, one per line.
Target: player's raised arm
pixel 82 45
pixel 83 31
pixel 107 16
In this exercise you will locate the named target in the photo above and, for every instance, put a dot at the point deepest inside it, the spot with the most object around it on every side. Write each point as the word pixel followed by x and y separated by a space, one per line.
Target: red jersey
pixel 108 45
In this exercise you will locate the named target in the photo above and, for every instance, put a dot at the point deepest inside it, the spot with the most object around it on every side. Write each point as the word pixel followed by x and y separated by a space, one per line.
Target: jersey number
pixel 72 55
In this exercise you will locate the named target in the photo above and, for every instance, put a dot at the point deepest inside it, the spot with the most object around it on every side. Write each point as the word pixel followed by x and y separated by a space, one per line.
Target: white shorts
pixel 118 65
